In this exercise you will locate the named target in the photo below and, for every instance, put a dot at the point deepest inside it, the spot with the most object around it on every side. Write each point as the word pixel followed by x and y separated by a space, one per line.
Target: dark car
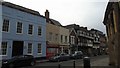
pixel 60 57
pixel 77 55
pixel 19 61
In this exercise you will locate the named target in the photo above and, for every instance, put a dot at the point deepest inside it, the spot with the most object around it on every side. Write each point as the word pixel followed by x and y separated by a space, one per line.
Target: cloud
pixel 88 13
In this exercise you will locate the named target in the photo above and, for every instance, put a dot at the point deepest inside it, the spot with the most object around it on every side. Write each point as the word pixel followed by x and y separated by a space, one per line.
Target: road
pixel 78 63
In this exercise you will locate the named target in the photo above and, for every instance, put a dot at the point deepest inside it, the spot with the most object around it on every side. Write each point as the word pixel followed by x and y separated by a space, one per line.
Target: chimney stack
pixel 47 15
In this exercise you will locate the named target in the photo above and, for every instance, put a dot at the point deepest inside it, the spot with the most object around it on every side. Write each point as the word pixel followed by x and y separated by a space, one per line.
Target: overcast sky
pixel 87 13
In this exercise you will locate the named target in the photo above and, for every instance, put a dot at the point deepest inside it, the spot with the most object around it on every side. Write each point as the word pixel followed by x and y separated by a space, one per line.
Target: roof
pixel 55 22
pixel 21 8
pixel 109 6
pixel 75 26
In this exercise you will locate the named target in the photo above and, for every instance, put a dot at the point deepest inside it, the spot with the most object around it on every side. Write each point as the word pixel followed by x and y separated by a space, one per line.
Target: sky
pixel 86 13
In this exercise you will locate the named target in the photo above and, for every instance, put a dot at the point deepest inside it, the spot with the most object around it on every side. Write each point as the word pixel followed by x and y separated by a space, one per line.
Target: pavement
pixel 99 63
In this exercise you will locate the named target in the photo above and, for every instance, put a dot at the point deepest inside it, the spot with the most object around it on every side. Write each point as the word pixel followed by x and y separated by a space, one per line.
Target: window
pixel 30 29
pixel 19 27
pixel 65 39
pixel 50 36
pixel 61 38
pixel 39 30
pixel 39 47
pixel 4 48
pixel 5 26
pixel 72 39
pixel 29 48
pixel 56 37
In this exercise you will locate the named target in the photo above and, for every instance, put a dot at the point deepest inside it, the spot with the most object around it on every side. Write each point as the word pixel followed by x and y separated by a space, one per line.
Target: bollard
pixel 74 64
pixel 59 65
pixel 86 62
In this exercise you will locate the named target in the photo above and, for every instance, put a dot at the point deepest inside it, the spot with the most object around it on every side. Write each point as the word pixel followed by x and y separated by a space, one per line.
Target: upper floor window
pixel 61 38
pixel 29 48
pixel 39 30
pixel 5 26
pixel 39 48
pixel 65 39
pixel 3 48
pixel 72 39
pixel 56 37
pixel 50 36
pixel 30 29
pixel 19 27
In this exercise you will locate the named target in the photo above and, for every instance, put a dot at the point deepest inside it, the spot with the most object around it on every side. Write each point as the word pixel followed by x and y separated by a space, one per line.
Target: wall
pixel 14 16
pixel 54 30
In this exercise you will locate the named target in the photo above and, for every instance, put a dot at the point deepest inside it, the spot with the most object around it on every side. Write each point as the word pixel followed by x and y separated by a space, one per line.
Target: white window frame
pixel 38 30
pixel 8 26
pixel 72 39
pixel 31 48
pixel 6 49
pixel 16 27
pixel 66 39
pixel 38 48
pixel 32 29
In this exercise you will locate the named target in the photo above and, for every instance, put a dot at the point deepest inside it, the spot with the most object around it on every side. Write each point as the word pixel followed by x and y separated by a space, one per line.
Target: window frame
pixel 17 28
pixel 6 49
pixel 38 31
pixel 61 38
pixel 56 37
pixel 38 48
pixel 32 29
pixel 66 39
pixel 8 26
pixel 31 48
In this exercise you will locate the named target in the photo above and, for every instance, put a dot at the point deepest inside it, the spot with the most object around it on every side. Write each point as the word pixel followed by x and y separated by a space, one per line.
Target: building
pixel 83 39
pixel 103 44
pixel 112 23
pixel 73 40
pixel 99 43
pixel 57 37
pixel 52 36
pixel 23 31
pixel 64 40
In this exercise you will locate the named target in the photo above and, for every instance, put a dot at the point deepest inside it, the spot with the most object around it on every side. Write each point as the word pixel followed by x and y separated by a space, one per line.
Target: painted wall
pixel 54 30
pixel 65 32
pixel 15 16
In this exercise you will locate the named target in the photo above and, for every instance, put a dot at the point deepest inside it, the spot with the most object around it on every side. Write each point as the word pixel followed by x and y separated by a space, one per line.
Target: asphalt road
pixel 69 64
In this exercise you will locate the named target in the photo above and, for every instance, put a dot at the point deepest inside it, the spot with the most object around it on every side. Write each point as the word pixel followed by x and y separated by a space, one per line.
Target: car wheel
pixel 11 65
pixel 32 63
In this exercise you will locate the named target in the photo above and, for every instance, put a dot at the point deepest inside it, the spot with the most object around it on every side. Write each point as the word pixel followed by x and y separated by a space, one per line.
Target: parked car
pixel 18 61
pixel 77 55
pixel 60 57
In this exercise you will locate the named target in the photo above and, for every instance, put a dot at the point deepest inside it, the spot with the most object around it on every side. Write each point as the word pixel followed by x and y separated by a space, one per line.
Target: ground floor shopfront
pixel 51 50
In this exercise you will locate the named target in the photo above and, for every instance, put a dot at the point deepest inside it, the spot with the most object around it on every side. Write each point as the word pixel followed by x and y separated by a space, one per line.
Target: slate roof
pixel 55 22
pixel 21 8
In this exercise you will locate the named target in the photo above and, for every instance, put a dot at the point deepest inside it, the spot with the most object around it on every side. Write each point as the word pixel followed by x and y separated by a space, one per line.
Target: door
pixel 17 48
